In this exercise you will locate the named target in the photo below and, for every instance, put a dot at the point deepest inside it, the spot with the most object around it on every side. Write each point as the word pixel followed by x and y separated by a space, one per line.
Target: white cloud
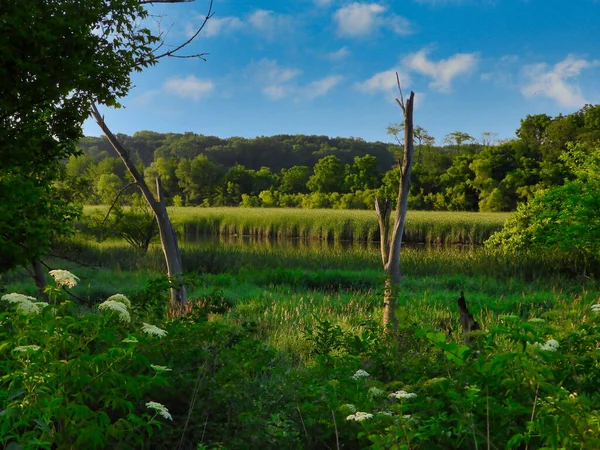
pixel 189 86
pixel 321 87
pixel 552 82
pixel 458 2
pixel 275 92
pixel 216 26
pixel 361 19
pixel 269 22
pixel 338 54
pixel 384 82
pixel 277 82
pixel 269 71
pixel 443 71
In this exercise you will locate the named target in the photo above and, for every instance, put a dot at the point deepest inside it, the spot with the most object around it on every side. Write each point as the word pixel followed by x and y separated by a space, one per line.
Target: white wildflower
pixel 27 308
pixel 120 298
pixel 41 304
pixel 118 307
pixel 153 330
pixel 64 278
pixel 360 374
pixel 385 413
pixel 160 369
pixel 596 307
pixel 359 416
pixel 160 409
pixel 375 392
pixel 17 298
pixel 26 348
pixel 130 340
pixel 25 304
pixel 551 345
pixel 349 407
pixel 403 394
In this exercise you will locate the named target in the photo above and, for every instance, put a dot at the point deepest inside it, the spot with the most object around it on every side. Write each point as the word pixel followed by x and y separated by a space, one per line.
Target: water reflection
pixel 305 245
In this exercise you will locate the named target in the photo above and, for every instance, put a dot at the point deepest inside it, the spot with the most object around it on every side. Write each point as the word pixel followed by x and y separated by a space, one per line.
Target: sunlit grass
pixel 434 227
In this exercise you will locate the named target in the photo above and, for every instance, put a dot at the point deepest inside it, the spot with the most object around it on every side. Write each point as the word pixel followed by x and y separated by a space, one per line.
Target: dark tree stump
pixel 467 321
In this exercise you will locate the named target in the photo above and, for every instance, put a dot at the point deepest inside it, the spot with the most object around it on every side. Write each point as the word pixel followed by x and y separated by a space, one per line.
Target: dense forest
pixel 464 174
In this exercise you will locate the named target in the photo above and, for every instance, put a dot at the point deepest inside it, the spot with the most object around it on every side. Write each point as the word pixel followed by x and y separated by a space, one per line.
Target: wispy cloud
pixel 216 26
pixel 338 55
pixel 384 82
pixel 458 2
pixel 267 22
pixel 324 3
pixel 320 87
pixel 277 82
pixel 189 87
pixel 362 19
pixel 444 71
pixel 554 81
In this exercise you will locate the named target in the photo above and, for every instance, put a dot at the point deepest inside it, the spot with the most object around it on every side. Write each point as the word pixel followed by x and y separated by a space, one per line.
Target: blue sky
pixel 327 67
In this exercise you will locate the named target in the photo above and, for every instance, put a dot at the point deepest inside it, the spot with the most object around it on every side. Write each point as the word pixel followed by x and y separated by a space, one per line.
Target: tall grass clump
pixel 432 227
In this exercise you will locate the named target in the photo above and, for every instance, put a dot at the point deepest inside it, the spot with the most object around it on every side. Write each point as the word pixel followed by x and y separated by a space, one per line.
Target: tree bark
pixel 39 278
pixel 168 238
pixel 467 321
pixel 390 249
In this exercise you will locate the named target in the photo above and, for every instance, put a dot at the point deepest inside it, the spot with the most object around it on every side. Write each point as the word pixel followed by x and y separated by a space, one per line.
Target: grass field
pixel 433 227
pixel 277 327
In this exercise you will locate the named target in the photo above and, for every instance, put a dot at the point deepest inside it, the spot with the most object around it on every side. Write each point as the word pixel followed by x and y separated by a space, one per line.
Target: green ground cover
pixel 268 354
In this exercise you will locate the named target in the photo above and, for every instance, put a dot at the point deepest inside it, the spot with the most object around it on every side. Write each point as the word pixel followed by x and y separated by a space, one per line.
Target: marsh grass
pixel 432 227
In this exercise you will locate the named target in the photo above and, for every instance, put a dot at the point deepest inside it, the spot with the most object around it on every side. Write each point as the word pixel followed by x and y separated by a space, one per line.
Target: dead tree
pixel 467 321
pixel 168 238
pixel 390 249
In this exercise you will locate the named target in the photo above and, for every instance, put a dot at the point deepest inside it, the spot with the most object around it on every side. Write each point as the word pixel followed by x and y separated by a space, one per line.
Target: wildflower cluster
pixel 375 392
pixel 403 394
pixel 550 346
pixel 153 330
pixel 25 304
pixel 64 278
pixel 160 409
pixel 120 298
pixel 118 307
pixel 596 307
pixel 360 374
pixel 359 416
pixel 26 348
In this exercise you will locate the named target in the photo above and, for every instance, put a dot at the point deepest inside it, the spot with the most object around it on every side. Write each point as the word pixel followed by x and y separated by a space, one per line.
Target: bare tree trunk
pixel 390 250
pixel 39 278
pixel 168 239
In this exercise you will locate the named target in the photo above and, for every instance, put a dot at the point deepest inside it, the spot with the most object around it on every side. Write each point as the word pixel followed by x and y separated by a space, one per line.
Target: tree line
pixel 321 172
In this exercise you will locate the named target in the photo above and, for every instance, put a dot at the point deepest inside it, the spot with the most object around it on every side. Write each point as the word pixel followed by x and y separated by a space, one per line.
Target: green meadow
pixel 285 307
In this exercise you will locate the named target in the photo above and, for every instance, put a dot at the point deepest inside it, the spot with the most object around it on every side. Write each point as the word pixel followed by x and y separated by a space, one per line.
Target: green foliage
pixel 328 175
pixel 45 97
pixel 73 377
pixel 563 218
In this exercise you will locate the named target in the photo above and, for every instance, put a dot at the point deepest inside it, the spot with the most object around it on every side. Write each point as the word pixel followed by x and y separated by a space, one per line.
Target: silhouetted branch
pixel 171 53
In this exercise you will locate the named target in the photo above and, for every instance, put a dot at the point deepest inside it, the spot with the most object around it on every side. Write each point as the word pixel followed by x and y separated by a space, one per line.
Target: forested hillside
pixel 318 171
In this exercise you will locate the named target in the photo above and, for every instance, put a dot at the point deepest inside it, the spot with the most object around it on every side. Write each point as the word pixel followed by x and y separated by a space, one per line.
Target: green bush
pixel 74 378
